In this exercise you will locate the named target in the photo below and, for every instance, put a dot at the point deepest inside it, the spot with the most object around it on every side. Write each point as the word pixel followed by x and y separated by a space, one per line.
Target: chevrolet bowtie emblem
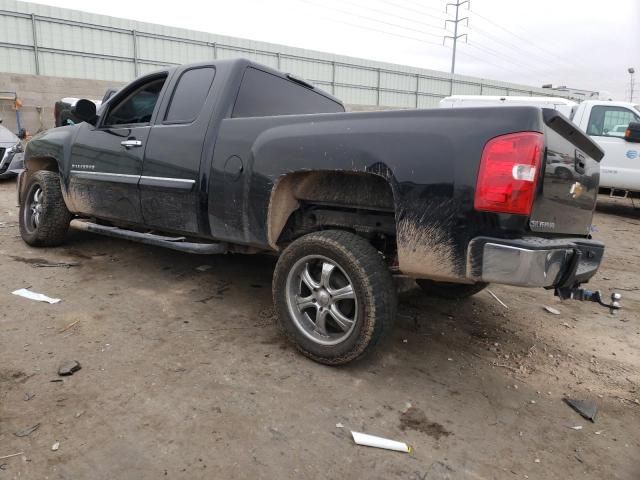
pixel 576 190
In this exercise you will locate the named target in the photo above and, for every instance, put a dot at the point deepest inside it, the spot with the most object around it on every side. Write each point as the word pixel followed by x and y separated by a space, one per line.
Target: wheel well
pixel 34 164
pixel 302 202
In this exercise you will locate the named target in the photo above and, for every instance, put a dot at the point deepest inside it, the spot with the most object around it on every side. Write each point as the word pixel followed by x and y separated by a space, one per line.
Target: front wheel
pixel 334 296
pixel 44 217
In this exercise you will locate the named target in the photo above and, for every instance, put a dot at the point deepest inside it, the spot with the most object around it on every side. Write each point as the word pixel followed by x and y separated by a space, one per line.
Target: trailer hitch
pixel 590 296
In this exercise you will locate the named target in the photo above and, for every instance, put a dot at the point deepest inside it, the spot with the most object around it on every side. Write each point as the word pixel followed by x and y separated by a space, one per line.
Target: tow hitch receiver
pixel 589 296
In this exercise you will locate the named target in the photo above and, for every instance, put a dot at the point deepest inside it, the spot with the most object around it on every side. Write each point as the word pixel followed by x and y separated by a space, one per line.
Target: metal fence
pixel 60 42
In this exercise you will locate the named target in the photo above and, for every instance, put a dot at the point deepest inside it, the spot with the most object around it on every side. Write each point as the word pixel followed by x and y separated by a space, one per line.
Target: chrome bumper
pixel 533 262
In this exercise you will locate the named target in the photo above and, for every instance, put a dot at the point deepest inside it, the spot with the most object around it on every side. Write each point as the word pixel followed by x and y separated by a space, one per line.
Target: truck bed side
pixel 429 158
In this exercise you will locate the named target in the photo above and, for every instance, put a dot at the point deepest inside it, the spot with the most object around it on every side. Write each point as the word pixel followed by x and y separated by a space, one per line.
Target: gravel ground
pixel 184 374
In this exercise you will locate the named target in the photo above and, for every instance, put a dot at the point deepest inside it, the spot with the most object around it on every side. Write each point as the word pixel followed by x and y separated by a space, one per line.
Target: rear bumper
pixel 534 262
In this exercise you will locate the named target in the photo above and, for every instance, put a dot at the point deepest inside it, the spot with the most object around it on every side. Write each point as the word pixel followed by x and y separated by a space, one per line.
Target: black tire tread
pixel 378 284
pixel 54 225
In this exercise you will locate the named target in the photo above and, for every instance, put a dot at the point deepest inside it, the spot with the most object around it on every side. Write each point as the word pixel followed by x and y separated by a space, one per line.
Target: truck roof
pixel 241 63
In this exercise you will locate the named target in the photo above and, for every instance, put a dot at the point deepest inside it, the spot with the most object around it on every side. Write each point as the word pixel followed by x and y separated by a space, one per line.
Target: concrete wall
pixel 39 93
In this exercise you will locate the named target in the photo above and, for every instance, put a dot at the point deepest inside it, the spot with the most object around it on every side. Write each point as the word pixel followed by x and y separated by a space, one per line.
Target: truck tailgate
pixel 570 176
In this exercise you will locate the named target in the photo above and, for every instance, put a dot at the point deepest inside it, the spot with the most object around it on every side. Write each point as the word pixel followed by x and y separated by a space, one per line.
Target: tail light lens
pixel 508 173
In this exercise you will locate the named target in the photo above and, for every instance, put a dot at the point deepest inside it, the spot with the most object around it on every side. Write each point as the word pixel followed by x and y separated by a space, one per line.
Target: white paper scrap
pixel 379 442
pixel 39 297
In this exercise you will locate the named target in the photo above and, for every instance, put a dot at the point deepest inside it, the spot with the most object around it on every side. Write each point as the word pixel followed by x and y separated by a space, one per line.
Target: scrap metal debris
pixel 379 442
pixel 68 326
pixel 69 368
pixel 39 297
pixel 497 299
pixel 585 408
pixel 56 264
pixel 12 455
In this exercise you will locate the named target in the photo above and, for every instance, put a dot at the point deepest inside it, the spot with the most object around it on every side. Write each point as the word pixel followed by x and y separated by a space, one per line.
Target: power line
pixel 503 42
pixel 485 61
pixel 455 35
pixel 371 29
pixel 419 12
pixel 425 6
pixel 394 15
pixel 372 19
pixel 527 41
pixel 502 56
pixel 418 39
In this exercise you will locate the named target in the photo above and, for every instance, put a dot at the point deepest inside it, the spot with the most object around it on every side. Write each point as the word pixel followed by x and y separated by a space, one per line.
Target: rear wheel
pixel 334 296
pixel 454 291
pixel 44 218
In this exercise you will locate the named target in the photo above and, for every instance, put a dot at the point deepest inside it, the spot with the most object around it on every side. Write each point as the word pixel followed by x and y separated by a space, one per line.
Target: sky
pixel 587 44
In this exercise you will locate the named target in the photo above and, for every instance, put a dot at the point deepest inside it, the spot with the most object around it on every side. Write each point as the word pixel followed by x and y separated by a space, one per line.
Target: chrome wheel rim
pixel 34 210
pixel 321 300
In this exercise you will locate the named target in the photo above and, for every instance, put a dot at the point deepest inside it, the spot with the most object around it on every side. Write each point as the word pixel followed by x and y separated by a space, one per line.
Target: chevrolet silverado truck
pixel 234 157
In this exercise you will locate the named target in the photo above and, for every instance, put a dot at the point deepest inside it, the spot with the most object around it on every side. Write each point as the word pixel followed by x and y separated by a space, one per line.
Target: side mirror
pixel 85 110
pixel 632 134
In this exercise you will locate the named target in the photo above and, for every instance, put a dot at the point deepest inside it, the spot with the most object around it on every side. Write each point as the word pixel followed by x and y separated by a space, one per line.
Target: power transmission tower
pixel 455 22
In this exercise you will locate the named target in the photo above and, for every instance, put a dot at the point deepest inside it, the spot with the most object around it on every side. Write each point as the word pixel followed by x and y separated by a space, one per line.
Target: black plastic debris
pixel 69 368
pixel 585 408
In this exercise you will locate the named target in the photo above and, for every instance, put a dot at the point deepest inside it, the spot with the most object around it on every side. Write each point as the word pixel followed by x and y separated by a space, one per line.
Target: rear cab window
pixel 263 94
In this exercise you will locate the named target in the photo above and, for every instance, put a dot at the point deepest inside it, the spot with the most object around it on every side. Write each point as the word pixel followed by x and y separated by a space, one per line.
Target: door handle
pixel 131 143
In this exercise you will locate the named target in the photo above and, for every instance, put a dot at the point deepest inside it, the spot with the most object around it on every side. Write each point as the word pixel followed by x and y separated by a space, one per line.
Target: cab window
pixel 263 94
pixel 610 121
pixel 137 107
pixel 189 95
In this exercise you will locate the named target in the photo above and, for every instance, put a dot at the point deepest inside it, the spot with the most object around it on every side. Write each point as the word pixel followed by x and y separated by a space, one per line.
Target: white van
pixel 604 121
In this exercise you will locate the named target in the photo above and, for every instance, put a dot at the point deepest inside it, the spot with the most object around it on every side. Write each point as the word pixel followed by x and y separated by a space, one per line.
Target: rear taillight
pixel 509 172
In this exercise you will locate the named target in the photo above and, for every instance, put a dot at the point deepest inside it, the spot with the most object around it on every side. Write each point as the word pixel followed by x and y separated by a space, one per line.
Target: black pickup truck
pixel 232 156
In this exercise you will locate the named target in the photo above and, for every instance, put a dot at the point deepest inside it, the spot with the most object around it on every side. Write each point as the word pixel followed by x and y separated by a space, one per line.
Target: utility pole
pixel 455 22
pixel 631 71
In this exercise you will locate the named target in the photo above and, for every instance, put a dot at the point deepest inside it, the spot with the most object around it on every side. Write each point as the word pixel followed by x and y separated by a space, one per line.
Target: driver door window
pixel 610 121
pixel 137 107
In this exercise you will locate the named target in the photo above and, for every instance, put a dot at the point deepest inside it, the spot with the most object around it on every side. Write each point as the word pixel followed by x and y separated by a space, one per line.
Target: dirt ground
pixel 184 374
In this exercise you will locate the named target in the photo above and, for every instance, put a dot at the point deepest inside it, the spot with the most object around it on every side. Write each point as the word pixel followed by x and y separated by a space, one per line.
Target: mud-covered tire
pixel 53 217
pixel 360 266
pixel 452 291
